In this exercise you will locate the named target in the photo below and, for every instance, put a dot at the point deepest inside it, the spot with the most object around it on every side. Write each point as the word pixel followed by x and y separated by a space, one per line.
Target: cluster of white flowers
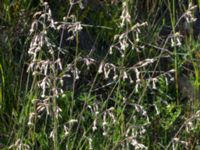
pixel 188 15
pixel 125 16
pixel 68 127
pixel 132 135
pixel 43 52
pixel 177 142
pixel 176 40
pixel 106 115
pixel 188 18
pixel 95 111
pixel 46 65
pixel 109 113
pixel 123 41
pixel 19 145
pixel 106 69
pixel 43 62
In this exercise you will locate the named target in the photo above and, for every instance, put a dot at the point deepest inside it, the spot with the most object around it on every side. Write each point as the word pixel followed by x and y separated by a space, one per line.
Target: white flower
pixel 66 130
pixel 72 121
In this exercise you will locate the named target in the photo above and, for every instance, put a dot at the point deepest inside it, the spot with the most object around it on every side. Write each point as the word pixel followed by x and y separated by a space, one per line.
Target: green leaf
pixel 2 85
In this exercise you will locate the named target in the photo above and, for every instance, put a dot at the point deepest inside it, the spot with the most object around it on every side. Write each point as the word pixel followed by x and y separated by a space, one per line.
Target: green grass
pixel 142 95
